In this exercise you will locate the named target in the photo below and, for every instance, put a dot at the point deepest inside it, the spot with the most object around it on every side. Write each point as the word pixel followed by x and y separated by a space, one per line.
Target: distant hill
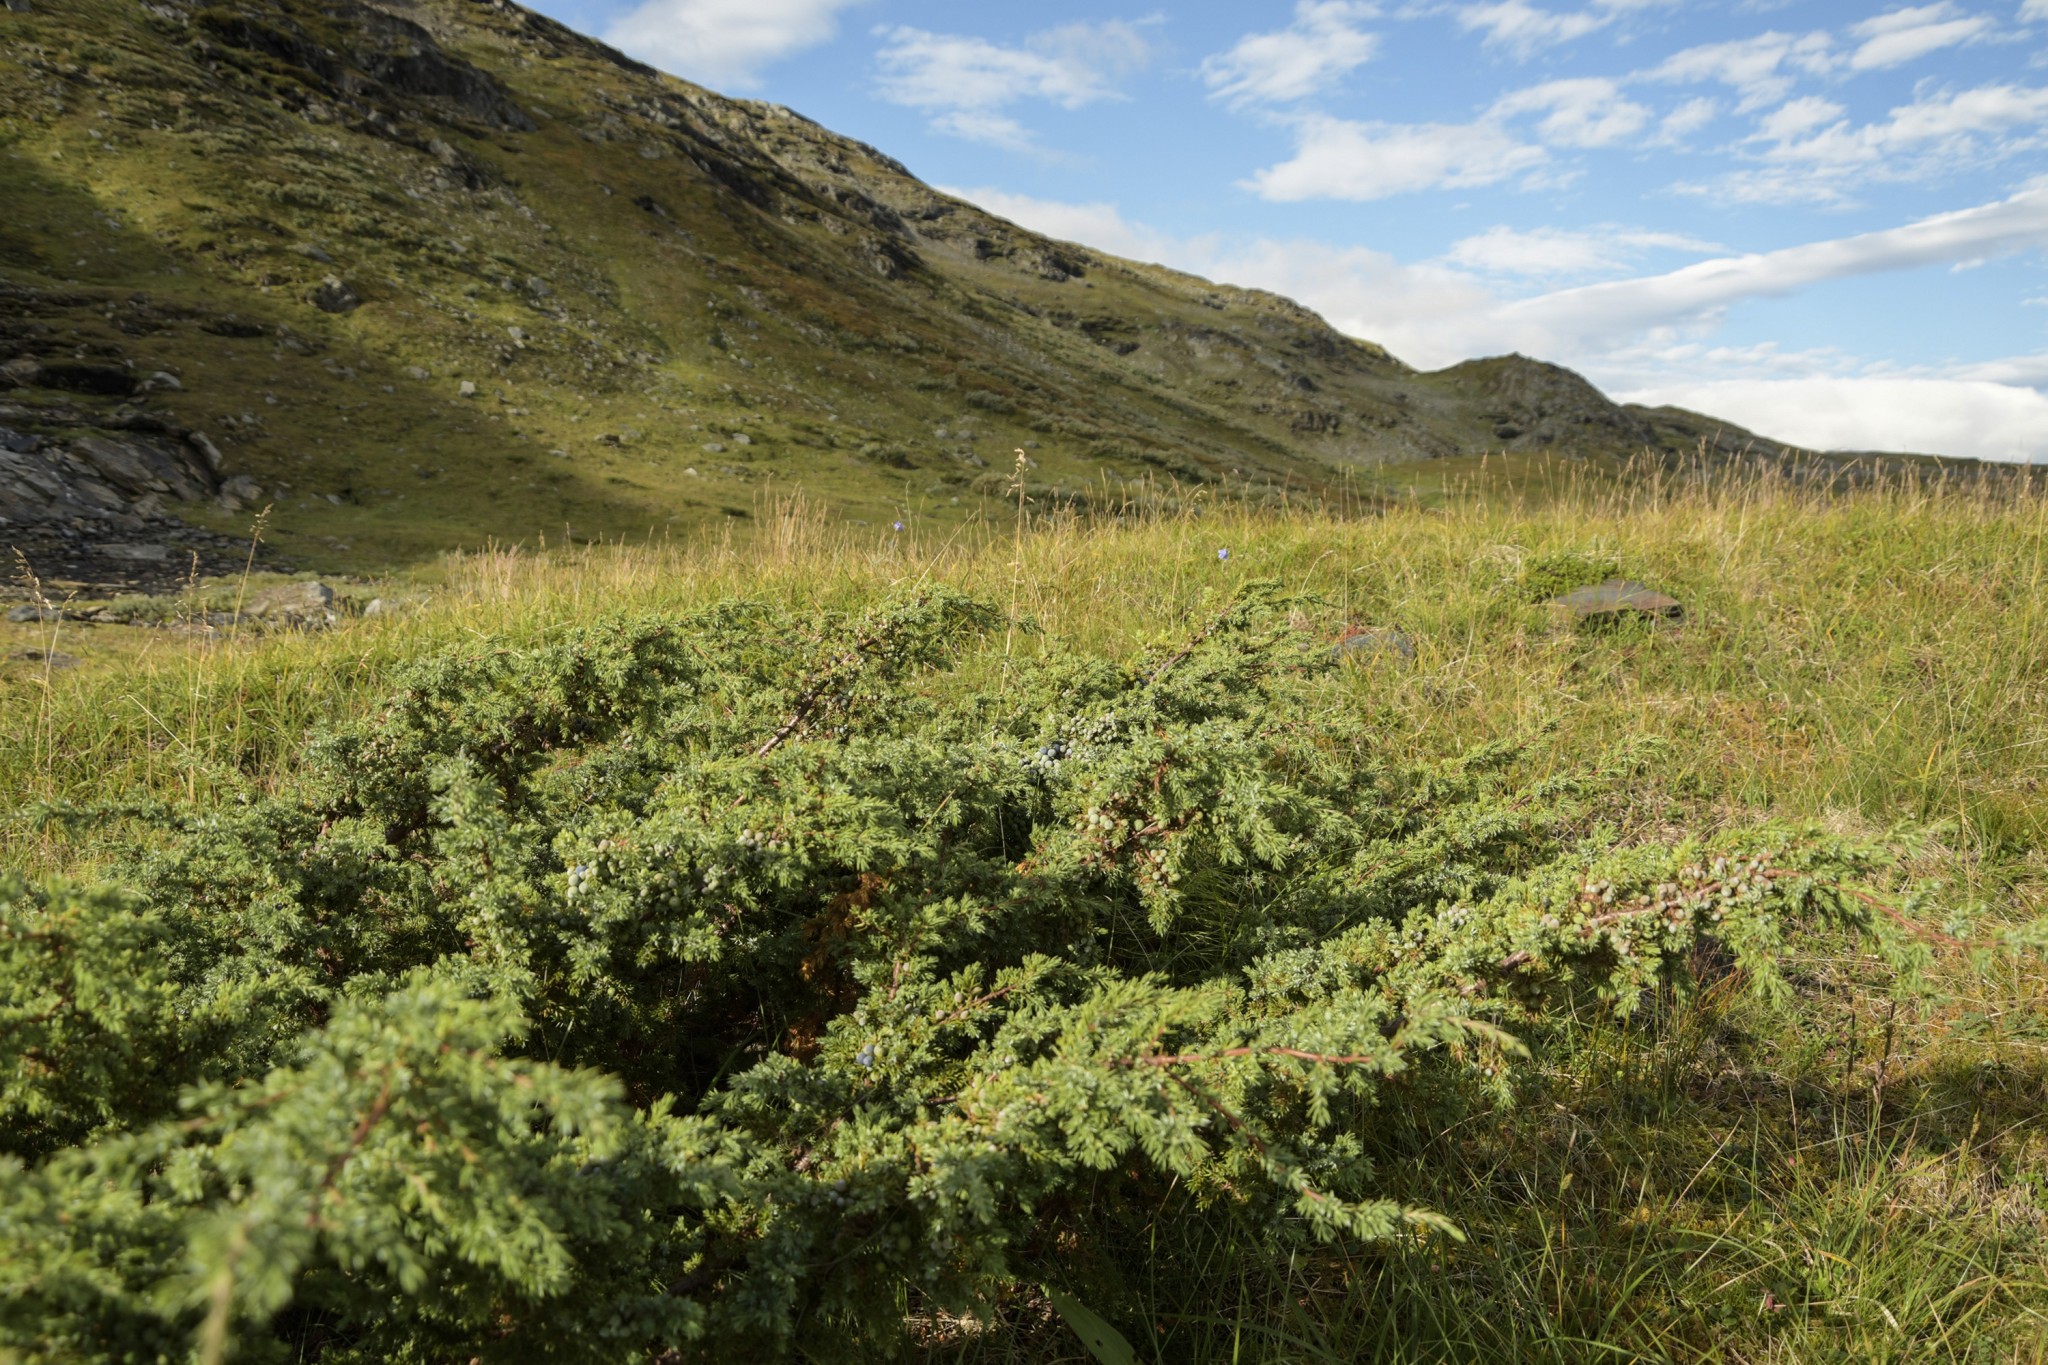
pixel 425 271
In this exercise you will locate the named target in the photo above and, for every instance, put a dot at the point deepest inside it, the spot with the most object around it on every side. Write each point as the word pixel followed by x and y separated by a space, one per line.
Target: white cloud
pixel 1813 154
pixel 1691 116
pixel 1902 35
pixel 1587 111
pixel 2031 370
pixel 1321 46
pixel 1070 66
pixel 1932 135
pixel 1976 418
pixel 1343 159
pixel 1796 118
pixel 1348 159
pixel 1575 318
pixel 1551 253
pixel 1524 29
pixel 2032 10
pixel 1762 70
pixel 986 125
pixel 724 43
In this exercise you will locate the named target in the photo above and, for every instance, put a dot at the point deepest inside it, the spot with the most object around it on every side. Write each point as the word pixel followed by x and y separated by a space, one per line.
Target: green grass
pixel 1854 1178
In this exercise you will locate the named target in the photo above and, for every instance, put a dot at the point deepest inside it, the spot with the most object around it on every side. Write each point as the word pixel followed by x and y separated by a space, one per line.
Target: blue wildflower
pixel 1222 554
pixel 895 525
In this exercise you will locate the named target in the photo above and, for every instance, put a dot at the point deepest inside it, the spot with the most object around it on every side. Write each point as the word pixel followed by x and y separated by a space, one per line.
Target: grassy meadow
pixel 1860 1175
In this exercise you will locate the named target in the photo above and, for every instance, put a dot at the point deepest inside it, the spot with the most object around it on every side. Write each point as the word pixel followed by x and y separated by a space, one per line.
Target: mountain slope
pixel 424 271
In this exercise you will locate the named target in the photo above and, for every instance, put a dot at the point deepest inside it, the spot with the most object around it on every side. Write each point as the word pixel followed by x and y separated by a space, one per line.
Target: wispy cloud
pixel 1762 70
pixel 1587 111
pixel 965 82
pixel 1345 159
pixel 1812 152
pixel 724 43
pixel 1590 313
pixel 1524 29
pixel 1903 35
pixel 1556 253
pixel 1350 159
pixel 1322 46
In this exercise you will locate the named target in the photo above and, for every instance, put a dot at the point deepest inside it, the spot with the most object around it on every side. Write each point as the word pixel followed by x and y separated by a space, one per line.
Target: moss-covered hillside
pixel 423 272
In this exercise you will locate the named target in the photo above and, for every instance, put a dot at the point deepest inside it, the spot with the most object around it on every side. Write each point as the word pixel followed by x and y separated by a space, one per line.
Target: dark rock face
pixel 333 295
pixel 383 54
pixel 72 376
pixel 95 475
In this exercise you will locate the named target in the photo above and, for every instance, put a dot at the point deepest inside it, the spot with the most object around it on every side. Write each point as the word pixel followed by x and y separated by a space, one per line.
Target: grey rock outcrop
pixel 96 475
pixel 300 606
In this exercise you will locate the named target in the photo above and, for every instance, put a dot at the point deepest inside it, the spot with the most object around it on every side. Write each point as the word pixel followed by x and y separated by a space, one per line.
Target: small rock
pixel 377 606
pixel 165 380
pixel 1363 644
pixel 415 372
pixel 690 472
pixel 243 487
pixel 141 554
pixel 740 438
pixel 31 614
pixel 19 7
pixel 714 448
pixel 208 451
pixel 467 388
pixel 53 658
pixel 1619 597
pixel 313 253
pixel 335 296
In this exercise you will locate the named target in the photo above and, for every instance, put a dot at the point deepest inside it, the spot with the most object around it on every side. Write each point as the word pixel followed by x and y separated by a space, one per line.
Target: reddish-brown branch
pixel 1189 1058
pixel 370 1119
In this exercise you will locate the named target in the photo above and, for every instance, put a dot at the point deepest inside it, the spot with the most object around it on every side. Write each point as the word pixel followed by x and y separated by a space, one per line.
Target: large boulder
pixel 299 606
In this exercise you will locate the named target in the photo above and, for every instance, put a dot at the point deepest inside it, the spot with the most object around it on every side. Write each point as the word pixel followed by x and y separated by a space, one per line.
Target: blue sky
pixel 1825 221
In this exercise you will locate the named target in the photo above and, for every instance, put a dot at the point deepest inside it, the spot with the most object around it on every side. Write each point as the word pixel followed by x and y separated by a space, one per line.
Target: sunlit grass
pixel 1851 1180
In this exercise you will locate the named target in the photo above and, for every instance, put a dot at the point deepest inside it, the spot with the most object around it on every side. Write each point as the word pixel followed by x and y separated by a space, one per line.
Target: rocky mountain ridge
pixel 421 272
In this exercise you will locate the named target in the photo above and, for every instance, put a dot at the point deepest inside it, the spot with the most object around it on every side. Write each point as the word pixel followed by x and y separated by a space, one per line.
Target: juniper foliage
pixel 708 985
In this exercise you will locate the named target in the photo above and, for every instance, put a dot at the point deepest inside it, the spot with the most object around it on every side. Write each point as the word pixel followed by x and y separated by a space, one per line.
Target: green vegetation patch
pixel 518 972
pixel 715 982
